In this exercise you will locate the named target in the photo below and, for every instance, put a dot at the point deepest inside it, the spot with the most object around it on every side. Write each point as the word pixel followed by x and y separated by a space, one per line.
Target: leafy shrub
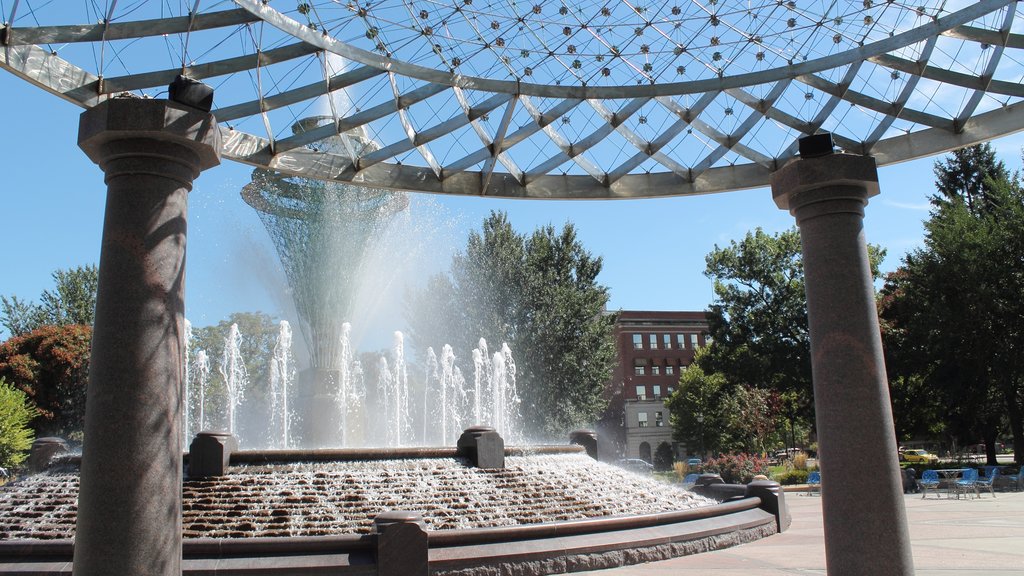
pixel 51 366
pixel 791 477
pixel 15 435
pixel 663 457
pixel 735 468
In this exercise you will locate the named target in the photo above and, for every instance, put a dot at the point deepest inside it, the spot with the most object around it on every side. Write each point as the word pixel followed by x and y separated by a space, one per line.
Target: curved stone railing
pixel 551 547
pixel 400 544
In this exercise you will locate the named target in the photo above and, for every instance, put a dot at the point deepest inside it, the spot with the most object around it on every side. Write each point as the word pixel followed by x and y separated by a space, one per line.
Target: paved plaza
pixel 949 537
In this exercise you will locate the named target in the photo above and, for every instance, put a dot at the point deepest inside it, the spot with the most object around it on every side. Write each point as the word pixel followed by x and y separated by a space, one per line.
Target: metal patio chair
pixel 813 482
pixel 929 481
pixel 988 481
pixel 968 481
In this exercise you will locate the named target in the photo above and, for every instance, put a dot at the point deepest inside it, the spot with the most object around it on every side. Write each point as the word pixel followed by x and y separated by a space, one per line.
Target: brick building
pixel 652 348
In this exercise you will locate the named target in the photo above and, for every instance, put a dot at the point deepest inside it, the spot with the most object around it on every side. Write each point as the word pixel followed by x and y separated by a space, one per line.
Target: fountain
pixel 547 509
pixel 323 233
pixel 345 510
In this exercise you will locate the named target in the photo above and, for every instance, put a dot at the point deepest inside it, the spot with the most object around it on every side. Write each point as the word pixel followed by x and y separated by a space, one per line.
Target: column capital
pixel 804 181
pixel 157 120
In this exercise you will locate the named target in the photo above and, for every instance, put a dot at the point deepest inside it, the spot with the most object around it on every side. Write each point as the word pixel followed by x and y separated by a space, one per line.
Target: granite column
pixel 862 498
pixel 129 507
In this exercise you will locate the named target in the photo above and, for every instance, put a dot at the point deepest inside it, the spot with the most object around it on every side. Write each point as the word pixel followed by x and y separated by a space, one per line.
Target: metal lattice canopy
pixel 547 99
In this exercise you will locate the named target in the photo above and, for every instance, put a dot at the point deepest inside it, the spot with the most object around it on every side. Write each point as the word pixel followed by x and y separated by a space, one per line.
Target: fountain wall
pixel 552 509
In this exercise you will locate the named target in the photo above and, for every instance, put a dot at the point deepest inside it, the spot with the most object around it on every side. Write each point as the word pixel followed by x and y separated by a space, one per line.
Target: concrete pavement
pixel 948 538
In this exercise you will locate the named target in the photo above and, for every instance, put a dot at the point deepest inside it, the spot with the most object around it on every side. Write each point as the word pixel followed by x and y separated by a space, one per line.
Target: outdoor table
pixel 949 475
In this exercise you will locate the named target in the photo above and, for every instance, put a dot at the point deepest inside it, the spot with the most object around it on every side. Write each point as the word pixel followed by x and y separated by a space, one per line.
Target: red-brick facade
pixel 652 349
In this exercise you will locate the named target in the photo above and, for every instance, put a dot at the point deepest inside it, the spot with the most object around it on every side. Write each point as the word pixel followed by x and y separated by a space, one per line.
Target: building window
pixel 671 390
pixel 693 341
pixel 680 342
pixel 640 366
pixel 638 342
pixel 641 392
pixel 657 392
pixel 641 418
pixel 658 420
pixel 655 370
pixel 669 370
pixel 666 341
pixel 707 339
pixel 653 339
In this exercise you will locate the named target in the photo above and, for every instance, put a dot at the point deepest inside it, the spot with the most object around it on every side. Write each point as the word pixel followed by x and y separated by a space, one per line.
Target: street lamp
pixel 700 427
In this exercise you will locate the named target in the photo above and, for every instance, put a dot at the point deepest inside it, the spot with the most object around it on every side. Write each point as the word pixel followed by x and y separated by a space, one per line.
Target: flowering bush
pixel 51 366
pixel 735 468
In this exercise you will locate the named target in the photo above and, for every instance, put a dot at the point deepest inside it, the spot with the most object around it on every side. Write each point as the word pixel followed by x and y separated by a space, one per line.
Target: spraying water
pixel 186 387
pixel 232 369
pixel 200 375
pixel 282 373
pixel 447 405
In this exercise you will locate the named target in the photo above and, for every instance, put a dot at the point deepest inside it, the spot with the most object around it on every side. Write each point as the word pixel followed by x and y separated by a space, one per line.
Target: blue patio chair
pixel 1015 479
pixel 813 482
pixel 690 480
pixel 929 480
pixel 987 481
pixel 968 481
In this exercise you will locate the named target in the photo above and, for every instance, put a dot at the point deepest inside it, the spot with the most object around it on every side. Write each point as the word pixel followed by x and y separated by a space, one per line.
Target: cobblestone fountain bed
pixel 548 511
pixel 324 498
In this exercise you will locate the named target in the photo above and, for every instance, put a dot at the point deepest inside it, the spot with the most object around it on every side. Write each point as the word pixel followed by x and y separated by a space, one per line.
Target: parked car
pixel 636 465
pixel 918 456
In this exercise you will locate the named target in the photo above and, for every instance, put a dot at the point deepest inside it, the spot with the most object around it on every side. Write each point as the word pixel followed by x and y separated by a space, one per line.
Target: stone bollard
pixel 587 439
pixel 401 544
pixel 209 454
pixel 773 501
pixel 43 451
pixel 483 447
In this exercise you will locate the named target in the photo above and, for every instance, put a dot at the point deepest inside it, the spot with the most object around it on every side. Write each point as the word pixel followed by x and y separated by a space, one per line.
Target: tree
pixel 20 317
pixel 15 433
pixel 539 293
pixel 758 321
pixel 710 414
pixel 73 301
pixel 51 366
pixel 663 457
pixel 566 342
pixel 697 408
pixel 953 310
pixel 969 175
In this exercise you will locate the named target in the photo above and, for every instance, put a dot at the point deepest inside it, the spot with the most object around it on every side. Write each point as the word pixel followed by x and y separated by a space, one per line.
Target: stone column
pixel 129 504
pixel 862 500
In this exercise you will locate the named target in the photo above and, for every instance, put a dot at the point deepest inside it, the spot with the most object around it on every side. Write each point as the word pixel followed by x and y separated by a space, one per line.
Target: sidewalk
pixel 949 538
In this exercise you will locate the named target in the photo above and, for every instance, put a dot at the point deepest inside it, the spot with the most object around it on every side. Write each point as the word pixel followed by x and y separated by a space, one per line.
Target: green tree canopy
pixel 697 411
pixel 709 413
pixel 73 301
pixel 539 293
pixel 15 434
pixel 953 314
pixel 760 344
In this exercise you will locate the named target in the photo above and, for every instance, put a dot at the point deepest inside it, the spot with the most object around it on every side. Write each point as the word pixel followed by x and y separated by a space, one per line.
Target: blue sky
pixel 653 250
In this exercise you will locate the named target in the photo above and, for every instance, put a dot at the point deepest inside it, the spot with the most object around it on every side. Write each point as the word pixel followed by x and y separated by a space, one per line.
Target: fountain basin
pixel 550 510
